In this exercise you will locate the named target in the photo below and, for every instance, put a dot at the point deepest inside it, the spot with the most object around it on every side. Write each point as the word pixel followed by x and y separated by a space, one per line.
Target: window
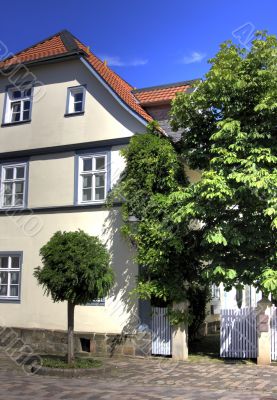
pixel 97 302
pixel 13 185
pixel 10 269
pixel 18 105
pixel 215 291
pixel 76 100
pixel 92 178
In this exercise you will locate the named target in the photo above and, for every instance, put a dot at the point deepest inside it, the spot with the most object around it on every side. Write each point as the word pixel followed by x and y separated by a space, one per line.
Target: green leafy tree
pixel 167 252
pixel 229 129
pixel 222 228
pixel 76 268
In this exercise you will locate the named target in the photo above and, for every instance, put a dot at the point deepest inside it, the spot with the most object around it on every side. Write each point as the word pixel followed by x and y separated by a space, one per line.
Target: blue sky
pixel 148 42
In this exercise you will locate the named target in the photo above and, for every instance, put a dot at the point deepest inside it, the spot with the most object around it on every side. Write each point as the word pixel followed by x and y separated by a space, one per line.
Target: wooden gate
pixel 161 332
pixel 238 333
pixel 273 325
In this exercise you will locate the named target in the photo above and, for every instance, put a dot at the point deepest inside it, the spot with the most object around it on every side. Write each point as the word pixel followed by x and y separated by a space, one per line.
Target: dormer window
pixel 18 105
pixel 75 100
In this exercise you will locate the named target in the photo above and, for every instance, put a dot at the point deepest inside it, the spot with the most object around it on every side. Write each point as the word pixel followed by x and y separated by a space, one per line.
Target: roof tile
pixel 50 47
pixel 159 95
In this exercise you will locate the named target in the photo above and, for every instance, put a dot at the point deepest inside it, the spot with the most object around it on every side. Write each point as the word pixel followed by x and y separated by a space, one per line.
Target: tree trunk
pixel 70 332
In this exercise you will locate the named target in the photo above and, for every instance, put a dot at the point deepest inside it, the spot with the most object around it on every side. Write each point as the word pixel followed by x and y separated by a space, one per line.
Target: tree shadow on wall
pixel 124 306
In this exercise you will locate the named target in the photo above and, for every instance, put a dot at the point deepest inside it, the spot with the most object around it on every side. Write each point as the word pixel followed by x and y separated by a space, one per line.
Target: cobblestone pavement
pixel 145 379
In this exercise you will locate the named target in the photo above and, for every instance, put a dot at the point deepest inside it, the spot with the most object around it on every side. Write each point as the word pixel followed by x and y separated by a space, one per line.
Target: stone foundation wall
pixel 55 342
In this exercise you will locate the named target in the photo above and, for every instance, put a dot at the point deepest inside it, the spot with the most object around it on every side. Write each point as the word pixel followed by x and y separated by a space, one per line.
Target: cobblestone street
pixel 145 379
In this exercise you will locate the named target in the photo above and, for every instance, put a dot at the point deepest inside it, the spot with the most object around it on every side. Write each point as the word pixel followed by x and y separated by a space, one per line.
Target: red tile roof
pixel 160 94
pixel 121 87
pixel 64 44
pixel 50 47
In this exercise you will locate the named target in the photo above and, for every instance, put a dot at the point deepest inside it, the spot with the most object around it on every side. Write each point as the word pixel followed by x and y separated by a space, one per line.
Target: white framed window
pixel 10 270
pixel 97 302
pixel 215 291
pixel 92 184
pixel 75 100
pixel 13 185
pixel 18 105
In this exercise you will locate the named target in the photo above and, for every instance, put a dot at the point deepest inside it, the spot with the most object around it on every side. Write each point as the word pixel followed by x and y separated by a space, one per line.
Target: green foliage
pixel 222 228
pixel 198 296
pixel 153 128
pixel 76 268
pixel 152 166
pixel 229 131
pixel 154 171
pixel 177 317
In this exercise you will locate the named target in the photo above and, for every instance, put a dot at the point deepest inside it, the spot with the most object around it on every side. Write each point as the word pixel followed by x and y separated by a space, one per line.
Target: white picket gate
pixel 273 325
pixel 161 332
pixel 238 333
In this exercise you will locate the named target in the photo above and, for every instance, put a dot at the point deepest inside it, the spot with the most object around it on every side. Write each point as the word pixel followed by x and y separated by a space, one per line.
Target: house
pixel 65 117
pixel 235 299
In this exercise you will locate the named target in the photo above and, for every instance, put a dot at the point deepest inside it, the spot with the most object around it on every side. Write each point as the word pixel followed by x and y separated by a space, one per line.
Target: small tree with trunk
pixel 76 268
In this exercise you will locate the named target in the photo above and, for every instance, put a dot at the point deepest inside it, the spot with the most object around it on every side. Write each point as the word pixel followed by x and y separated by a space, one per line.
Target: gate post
pixel 264 333
pixel 180 336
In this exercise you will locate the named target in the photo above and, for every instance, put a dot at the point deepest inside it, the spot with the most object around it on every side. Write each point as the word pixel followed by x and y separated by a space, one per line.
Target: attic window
pixel 18 105
pixel 75 100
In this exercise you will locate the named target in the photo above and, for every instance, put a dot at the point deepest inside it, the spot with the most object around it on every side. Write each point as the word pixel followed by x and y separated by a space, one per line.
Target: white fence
pixel 274 333
pixel 238 333
pixel 161 332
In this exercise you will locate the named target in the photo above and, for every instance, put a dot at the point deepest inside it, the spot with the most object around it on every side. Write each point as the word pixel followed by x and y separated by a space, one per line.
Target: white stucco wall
pixel 51 177
pixel 51 183
pixel 37 310
pixel 51 180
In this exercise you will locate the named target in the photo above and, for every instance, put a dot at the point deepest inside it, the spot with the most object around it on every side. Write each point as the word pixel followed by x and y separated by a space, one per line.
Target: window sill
pixel 91 203
pixel 7 300
pixel 15 123
pixel 12 208
pixel 10 212
pixel 74 114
